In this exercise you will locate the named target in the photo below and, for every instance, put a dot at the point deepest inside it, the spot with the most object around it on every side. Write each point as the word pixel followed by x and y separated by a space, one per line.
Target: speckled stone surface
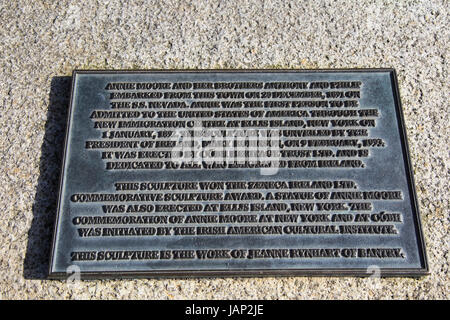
pixel 42 41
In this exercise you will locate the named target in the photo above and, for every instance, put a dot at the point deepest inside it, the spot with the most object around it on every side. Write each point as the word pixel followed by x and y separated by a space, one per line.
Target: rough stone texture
pixel 42 41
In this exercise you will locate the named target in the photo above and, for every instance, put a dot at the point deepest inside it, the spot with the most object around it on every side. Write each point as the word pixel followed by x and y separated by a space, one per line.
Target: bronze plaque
pixel 237 172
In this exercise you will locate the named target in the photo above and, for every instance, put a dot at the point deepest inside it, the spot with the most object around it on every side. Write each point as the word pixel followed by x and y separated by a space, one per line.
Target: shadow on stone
pixel 40 235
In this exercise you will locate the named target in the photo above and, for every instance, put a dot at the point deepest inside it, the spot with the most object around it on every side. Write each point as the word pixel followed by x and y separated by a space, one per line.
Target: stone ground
pixel 42 41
